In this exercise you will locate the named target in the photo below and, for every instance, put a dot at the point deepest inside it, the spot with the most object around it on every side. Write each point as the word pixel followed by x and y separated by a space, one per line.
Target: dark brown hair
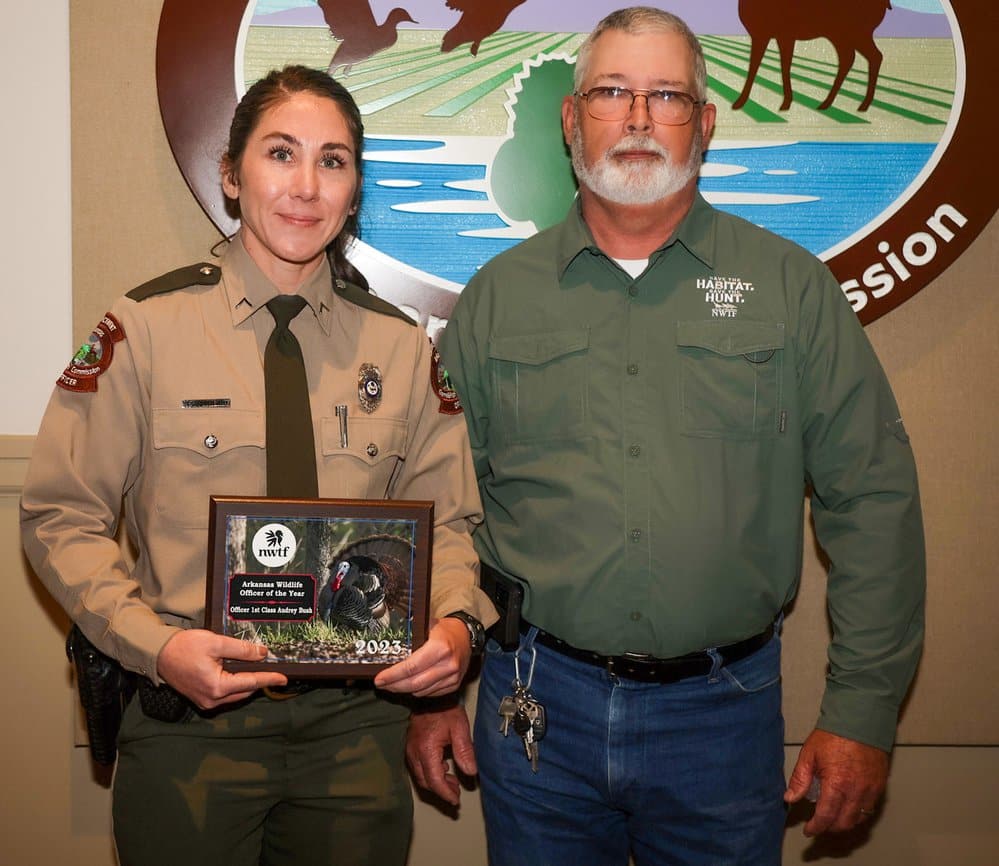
pixel 279 85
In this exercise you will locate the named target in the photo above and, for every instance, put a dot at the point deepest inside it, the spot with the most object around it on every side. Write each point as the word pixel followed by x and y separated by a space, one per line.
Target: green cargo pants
pixel 315 779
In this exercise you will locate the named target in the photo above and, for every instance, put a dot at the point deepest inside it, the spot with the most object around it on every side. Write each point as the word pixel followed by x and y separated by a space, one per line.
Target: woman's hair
pixel 275 87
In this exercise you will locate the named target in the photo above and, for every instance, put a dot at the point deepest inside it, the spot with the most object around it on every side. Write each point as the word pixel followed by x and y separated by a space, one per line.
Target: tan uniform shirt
pixel 141 437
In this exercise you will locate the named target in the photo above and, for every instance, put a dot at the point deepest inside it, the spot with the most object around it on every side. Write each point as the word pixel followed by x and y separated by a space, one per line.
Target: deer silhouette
pixel 848 24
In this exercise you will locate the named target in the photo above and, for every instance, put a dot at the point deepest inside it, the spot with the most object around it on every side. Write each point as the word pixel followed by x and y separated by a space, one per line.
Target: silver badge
pixel 369 387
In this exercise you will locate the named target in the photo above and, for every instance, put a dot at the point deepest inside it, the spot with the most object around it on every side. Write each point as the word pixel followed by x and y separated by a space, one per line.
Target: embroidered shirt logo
pixel 725 294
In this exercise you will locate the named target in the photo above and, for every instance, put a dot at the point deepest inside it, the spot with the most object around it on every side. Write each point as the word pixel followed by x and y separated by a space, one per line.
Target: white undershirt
pixel 634 267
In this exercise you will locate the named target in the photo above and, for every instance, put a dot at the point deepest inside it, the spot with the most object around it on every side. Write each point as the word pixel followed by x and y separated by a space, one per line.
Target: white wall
pixel 35 235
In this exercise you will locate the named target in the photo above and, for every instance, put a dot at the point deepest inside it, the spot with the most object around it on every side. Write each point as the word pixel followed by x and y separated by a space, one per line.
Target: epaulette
pixel 357 295
pixel 201 274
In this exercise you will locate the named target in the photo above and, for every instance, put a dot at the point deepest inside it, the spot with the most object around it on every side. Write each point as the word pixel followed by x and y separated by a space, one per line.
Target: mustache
pixel 638 142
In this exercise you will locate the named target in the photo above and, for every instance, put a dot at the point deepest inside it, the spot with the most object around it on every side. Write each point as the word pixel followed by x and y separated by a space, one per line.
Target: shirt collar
pixel 248 290
pixel 696 233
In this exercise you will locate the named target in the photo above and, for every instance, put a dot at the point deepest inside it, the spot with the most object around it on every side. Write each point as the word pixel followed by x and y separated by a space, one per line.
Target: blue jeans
pixel 685 773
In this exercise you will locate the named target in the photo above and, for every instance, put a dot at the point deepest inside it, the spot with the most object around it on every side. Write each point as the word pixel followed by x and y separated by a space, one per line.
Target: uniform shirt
pixel 643 446
pixel 135 439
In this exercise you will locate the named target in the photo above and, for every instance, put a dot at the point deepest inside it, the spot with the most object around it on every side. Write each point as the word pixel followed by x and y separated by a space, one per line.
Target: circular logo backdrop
pixel 274 545
pixel 858 144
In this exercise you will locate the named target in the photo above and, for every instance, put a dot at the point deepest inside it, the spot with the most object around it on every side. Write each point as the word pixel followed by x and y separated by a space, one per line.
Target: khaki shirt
pixel 141 438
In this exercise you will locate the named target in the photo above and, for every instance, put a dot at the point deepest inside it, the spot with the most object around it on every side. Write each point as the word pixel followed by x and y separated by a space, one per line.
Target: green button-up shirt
pixel 643 447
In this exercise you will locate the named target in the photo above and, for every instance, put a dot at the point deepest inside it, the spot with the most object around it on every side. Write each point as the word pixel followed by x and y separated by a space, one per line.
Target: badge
pixel 441 381
pixel 93 357
pixel 369 387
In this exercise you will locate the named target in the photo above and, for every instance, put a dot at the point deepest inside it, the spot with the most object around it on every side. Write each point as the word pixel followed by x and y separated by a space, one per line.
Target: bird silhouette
pixel 353 25
pixel 479 19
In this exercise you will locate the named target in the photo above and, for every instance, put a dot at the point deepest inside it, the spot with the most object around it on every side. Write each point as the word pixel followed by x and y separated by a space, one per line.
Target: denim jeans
pixel 685 773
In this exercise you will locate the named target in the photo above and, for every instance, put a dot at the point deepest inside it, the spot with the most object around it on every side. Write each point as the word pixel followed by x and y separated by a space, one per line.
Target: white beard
pixel 635 183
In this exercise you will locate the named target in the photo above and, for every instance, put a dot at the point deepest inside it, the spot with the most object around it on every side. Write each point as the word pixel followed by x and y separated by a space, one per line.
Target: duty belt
pixel 650 669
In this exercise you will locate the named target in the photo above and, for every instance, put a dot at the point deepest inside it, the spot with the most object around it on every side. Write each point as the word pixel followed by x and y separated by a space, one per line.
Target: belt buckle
pixel 627 660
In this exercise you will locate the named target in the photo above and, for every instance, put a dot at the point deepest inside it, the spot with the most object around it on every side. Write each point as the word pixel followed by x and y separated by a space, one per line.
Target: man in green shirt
pixel 649 387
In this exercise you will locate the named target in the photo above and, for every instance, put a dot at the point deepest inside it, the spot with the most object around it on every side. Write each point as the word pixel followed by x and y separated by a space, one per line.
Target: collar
pixel 696 234
pixel 248 290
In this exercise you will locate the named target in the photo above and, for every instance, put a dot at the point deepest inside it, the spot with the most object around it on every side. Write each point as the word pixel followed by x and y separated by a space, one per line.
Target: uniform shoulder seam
pixel 200 274
pixel 357 295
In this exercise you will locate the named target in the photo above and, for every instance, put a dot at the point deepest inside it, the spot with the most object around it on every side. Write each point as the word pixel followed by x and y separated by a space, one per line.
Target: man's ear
pixel 568 118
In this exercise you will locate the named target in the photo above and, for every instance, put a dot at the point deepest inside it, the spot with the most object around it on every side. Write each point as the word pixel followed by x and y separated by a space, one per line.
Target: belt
pixel 649 669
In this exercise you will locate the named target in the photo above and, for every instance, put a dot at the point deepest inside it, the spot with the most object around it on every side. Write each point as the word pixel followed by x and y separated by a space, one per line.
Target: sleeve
pixel 865 504
pixel 438 466
pixel 86 458
pixel 459 350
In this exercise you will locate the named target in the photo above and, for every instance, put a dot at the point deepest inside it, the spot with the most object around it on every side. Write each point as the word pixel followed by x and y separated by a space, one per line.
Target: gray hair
pixel 644 19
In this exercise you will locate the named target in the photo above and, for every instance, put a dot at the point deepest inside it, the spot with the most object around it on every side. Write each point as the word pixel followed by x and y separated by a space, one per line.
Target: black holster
pixel 105 689
pixel 507 596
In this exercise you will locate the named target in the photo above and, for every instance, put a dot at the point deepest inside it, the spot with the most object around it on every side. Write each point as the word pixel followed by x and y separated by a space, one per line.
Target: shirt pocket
pixel 199 453
pixel 540 384
pixel 731 378
pixel 364 468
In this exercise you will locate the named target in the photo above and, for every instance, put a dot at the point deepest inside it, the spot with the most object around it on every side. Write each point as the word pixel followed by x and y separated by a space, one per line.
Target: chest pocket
pixel 364 469
pixel 198 453
pixel 730 378
pixel 540 384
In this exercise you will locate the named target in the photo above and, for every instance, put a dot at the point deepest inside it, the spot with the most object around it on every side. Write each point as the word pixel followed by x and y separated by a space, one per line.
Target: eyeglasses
pixel 668 107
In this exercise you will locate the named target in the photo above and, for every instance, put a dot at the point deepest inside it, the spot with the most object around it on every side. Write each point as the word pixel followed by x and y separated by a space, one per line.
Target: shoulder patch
pixel 441 382
pixel 93 357
pixel 201 274
pixel 357 295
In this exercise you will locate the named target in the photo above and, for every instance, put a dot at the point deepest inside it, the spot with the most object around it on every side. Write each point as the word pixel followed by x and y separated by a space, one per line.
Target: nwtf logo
pixel 850 133
pixel 274 545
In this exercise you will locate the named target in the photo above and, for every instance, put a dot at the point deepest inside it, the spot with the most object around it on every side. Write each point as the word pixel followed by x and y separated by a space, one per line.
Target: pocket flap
pixel 731 338
pixel 209 432
pixel 538 348
pixel 370 440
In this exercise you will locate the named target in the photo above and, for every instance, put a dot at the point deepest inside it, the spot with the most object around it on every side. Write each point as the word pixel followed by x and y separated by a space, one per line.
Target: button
pixel 636 535
pixel 636 615
pixel 633 290
pixel 633 369
pixel 372 450
pixel 635 450
pixel 211 441
pixel 207 269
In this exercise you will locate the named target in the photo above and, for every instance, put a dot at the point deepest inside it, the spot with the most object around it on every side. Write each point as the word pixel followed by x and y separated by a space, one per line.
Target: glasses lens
pixel 609 103
pixel 670 108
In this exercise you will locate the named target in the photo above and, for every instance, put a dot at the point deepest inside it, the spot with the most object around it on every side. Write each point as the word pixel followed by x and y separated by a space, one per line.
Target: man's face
pixel 634 160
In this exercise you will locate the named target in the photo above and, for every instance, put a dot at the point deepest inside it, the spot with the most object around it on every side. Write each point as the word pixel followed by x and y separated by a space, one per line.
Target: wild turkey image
pixel 368 585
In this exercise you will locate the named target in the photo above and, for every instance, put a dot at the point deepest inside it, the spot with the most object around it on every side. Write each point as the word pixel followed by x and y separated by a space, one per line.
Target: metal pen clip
pixel 341 413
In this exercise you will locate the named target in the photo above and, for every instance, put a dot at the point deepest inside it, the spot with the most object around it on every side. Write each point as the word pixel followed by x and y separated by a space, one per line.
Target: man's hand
pixel 191 662
pixel 436 668
pixel 852 776
pixel 429 735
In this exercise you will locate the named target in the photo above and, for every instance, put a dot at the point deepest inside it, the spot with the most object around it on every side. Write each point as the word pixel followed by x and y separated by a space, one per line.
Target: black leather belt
pixel 649 669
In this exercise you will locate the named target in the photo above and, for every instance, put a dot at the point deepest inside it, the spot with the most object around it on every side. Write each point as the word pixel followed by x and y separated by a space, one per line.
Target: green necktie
pixel 291 446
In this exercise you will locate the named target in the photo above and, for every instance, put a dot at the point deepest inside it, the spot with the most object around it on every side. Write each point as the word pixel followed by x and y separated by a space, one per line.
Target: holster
pixel 105 688
pixel 507 596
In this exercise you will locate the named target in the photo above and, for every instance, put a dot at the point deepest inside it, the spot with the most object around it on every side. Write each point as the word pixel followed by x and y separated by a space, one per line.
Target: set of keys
pixel 524 713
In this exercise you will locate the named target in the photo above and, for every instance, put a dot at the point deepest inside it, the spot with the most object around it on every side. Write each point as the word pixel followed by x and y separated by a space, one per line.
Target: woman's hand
pixel 191 662
pixel 436 668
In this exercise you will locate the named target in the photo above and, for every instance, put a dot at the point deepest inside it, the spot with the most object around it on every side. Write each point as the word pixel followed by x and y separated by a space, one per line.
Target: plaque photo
pixel 334 588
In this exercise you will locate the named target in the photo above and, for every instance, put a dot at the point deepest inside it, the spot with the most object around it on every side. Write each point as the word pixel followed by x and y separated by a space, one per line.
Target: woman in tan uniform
pixel 168 406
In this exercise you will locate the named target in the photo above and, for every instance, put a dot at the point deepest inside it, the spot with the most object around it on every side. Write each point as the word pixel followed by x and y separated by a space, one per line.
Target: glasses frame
pixel 635 93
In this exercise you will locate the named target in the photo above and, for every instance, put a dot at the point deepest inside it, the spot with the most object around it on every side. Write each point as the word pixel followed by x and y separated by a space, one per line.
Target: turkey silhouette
pixel 352 23
pixel 354 598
